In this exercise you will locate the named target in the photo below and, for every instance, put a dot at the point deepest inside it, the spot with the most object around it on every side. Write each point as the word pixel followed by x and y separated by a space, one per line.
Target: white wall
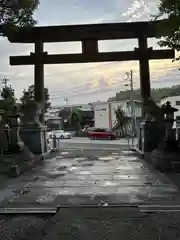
pixel 101 115
pixel 101 112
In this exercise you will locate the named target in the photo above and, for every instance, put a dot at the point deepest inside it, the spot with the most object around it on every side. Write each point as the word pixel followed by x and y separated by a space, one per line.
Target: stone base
pixel 34 137
pixel 15 164
pixel 164 161
pixel 14 171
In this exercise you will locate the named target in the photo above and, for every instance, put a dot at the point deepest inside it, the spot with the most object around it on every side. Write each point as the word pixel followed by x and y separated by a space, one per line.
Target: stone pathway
pixel 125 198
pixel 91 177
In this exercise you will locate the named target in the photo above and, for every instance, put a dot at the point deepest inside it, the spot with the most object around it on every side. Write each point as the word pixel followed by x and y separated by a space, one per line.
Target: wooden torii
pixel 89 35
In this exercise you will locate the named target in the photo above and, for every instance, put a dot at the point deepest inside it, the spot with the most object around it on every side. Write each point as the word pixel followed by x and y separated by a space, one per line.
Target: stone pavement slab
pixel 76 177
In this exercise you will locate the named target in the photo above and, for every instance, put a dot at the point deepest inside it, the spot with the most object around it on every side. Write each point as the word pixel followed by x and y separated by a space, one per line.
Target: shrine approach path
pixel 76 177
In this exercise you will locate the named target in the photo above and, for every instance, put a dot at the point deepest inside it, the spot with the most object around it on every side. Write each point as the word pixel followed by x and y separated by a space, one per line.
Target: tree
pixel 8 100
pixel 28 94
pixel 171 25
pixel 16 13
pixel 122 121
pixel 75 118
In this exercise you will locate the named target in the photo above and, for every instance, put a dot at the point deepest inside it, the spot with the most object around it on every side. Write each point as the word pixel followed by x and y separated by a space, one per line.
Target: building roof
pixel 65 112
pixel 120 102
pixel 170 97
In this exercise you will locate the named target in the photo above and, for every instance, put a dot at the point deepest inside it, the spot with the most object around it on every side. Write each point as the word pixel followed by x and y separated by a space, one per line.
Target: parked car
pixel 60 134
pixel 101 133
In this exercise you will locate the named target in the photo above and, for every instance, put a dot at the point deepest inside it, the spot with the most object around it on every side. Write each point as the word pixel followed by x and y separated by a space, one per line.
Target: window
pixel 178 103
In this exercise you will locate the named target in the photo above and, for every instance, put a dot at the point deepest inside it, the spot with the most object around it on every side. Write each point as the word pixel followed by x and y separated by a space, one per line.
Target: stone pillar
pixel 33 133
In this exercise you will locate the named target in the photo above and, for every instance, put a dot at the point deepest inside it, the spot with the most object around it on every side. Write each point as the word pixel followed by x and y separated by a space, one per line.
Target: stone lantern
pixel 170 134
pixel 15 145
pixel 4 133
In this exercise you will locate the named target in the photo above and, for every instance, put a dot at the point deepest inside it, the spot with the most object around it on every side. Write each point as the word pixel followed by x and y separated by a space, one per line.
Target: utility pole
pixel 4 81
pixel 133 116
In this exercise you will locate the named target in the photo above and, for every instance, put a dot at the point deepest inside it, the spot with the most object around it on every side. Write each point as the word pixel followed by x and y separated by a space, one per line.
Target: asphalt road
pixel 85 143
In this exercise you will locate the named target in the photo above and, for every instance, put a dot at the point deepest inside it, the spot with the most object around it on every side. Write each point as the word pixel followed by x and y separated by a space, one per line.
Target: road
pixel 104 176
pixel 85 143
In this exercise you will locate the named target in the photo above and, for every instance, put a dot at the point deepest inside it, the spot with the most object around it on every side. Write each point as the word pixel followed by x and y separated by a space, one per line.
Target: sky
pixel 84 83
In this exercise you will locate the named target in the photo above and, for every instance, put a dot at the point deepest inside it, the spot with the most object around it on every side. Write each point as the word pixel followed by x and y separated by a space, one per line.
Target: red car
pixel 101 133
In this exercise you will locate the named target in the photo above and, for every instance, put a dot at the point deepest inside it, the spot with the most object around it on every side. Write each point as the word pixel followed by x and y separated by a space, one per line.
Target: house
pixel 104 112
pixel 86 116
pixel 52 120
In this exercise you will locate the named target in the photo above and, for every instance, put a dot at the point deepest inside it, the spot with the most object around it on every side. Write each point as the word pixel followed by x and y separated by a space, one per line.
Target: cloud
pixel 84 82
pixel 141 10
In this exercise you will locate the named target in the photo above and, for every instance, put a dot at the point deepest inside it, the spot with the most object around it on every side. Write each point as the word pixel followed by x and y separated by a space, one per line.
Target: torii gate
pixel 89 35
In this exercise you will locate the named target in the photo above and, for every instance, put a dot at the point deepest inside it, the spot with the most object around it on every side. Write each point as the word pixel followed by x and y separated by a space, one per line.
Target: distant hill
pixel 157 93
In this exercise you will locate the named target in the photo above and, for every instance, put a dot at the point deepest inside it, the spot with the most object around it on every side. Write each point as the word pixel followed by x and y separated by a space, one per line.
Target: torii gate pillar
pixel 144 69
pixel 39 76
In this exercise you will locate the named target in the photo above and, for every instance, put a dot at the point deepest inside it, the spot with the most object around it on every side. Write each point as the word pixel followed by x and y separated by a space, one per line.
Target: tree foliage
pixel 121 120
pixel 157 94
pixel 28 94
pixel 170 9
pixel 75 118
pixel 16 13
pixel 8 100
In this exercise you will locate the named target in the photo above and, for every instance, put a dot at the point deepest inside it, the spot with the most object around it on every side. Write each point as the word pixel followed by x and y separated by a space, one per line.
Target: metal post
pixel 54 141
pixel 133 116
pixel 133 103
pixel 132 106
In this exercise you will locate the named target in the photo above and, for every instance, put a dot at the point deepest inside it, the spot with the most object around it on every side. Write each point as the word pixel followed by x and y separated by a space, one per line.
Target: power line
pixel 72 93
pixel 73 71
pixel 94 92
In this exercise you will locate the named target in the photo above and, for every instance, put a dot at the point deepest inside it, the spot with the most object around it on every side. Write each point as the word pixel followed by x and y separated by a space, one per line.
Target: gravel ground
pixel 23 227
pixel 94 223
pixel 114 224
